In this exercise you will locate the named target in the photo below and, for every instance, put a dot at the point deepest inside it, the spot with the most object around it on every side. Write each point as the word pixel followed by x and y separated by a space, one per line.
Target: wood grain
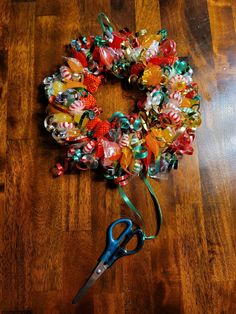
pixel 53 230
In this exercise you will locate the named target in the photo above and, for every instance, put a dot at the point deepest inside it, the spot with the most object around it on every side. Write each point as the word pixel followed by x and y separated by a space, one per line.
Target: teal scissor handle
pixel 116 248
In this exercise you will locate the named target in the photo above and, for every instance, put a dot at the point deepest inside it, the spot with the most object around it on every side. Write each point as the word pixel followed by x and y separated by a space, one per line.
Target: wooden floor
pixel 53 230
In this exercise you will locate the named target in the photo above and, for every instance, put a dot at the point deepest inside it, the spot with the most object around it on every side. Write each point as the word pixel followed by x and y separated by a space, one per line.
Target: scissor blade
pixel 98 271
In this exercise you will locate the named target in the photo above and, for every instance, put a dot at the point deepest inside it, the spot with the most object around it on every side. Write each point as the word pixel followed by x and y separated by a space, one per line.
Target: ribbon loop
pixel 106 28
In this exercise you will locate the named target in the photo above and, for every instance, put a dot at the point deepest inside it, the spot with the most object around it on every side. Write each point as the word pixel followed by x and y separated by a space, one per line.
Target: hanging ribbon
pixel 135 210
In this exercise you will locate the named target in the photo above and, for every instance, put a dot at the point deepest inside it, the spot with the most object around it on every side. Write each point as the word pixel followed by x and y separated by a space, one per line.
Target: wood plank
pixel 3 132
pixel 218 185
pixel 147 15
pixel 78 262
pixel 21 71
pixel 119 12
pixel 17 227
pixel 138 288
pixel 221 206
pixel 225 304
pixel 192 242
pixel 47 217
pixel 223 36
pixel 4 22
pixel 110 303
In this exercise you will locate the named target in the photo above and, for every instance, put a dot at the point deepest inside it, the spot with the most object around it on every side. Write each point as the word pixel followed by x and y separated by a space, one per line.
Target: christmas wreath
pixel 147 142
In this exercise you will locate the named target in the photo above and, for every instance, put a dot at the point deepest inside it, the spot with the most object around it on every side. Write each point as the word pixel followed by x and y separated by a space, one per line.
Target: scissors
pixel 115 248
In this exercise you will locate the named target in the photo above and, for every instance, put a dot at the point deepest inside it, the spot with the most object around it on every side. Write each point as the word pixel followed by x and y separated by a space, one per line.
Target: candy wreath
pixel 146 143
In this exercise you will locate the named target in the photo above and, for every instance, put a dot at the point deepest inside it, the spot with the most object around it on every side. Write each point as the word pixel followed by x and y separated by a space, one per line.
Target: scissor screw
pixel 99 271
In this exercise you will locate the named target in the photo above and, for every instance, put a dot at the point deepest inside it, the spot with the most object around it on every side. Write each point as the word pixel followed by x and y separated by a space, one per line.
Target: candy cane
pixel 89 147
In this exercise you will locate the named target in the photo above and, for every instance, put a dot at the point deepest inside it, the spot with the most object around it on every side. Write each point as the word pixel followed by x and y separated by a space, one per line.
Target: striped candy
pixel 172 112
pixel 65 73
pixel 176 97
pixel 177 83
pixel 170 107
pixel 89 147
pixel 65 125
pixel 174 117
pixel 124 140
pixel 76 107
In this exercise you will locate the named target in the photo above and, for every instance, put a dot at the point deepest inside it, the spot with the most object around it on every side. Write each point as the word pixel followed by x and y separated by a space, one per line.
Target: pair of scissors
pixel 115 248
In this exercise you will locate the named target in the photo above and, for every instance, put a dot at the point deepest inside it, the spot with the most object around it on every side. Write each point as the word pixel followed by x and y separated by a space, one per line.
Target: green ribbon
pixel 116 115
pixel 124 121
pixel 120 68
pixel 190 112
pixel 99 41
pixel 172 161
pixel 167 70
pixel 77 155
pixel 83 92
pixel 140 152
pixel 106 28
pixel 162 96
pixel 153 170
pixel 84 115
pixel 134 209
pixel 180 66
pixel 128 202
pixel 136 125
pixel 197 98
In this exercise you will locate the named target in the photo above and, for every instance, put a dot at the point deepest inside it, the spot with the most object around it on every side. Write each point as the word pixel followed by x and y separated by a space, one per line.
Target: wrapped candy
pixel 152 75
pixel 112 150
